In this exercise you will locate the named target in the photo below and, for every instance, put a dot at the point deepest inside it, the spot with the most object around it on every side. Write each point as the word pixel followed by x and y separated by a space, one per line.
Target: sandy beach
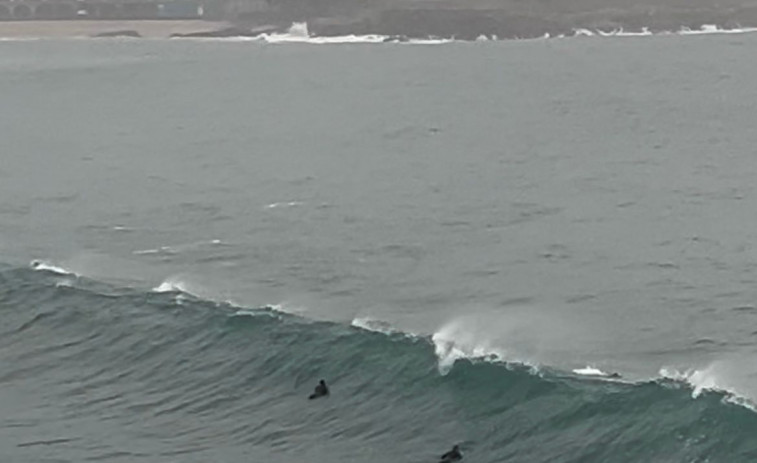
pixel 72 29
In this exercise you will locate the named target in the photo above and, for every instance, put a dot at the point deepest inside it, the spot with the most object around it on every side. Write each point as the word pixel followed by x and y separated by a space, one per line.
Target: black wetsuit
pixel 320 391
pixel 452 455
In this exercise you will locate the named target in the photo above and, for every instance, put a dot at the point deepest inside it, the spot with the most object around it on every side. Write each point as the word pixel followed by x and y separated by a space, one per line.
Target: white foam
pixel 583 33
pixel 41 265
pixel 176 249
pixel 266 310
pixel 699 380
pixel 644 32
pixel 174 285
pixel 246 312
pixel 283 204
pixel 455 341
pixel 287 308
pixel 432 41
pixel 160 250
pixel 596 373
pixel 299 33
pixel 714 29
pixel 706 29
pixel 709 378
pixel 376 326
pixel 611 33
pixel 146 251
pixel 279 308
pixel 253 313
pixel 590 371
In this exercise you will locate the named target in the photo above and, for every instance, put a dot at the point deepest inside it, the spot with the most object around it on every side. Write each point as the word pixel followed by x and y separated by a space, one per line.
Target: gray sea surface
pixel 564 202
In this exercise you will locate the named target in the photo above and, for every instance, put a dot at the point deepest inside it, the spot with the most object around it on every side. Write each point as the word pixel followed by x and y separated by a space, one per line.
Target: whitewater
pixel 299 33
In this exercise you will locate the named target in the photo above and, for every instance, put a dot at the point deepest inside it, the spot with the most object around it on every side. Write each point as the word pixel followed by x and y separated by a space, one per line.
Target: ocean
pixel 540 250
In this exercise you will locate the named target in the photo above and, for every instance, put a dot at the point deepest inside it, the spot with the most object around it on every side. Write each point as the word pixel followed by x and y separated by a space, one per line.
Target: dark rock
pixel 230 32
pixel 470 19
pixel 128 33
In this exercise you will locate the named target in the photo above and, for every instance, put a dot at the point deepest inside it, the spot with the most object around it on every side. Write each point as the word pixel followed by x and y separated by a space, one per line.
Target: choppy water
pixel 460 238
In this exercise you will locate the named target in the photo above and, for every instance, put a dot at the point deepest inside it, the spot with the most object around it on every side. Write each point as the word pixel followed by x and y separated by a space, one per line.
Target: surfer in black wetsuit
pixel 320 391
pixel 452 455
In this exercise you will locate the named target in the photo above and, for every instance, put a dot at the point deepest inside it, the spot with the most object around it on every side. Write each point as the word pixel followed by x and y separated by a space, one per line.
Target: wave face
pixel 96 372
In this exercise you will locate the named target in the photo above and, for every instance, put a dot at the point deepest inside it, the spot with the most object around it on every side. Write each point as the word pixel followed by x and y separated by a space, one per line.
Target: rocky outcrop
pixel 470 19
pixel 126 33
pixel 458 24
pixel 230 32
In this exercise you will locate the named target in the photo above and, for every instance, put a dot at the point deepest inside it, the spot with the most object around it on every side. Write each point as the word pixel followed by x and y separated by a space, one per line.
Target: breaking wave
pixel 245 372
pixel 44 266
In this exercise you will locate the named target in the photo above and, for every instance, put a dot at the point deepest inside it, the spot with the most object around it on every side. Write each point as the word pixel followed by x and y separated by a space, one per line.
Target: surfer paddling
pixel 452 455
pixel 320 391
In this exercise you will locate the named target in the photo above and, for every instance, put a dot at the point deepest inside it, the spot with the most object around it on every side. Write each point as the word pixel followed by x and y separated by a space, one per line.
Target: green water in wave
pixel 177 374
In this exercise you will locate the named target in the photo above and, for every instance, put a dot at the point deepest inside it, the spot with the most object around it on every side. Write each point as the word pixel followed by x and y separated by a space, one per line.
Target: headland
pixel 459 19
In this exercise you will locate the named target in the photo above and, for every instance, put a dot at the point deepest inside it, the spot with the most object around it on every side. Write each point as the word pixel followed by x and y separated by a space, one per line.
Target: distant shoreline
pixel 90 28
pixel 398 24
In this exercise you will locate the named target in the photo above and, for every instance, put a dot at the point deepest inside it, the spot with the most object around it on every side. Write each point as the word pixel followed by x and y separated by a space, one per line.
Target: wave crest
pixel 45 266
pixel 712 378
pixel 376 326
pixel 175 285
pixel 457 340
